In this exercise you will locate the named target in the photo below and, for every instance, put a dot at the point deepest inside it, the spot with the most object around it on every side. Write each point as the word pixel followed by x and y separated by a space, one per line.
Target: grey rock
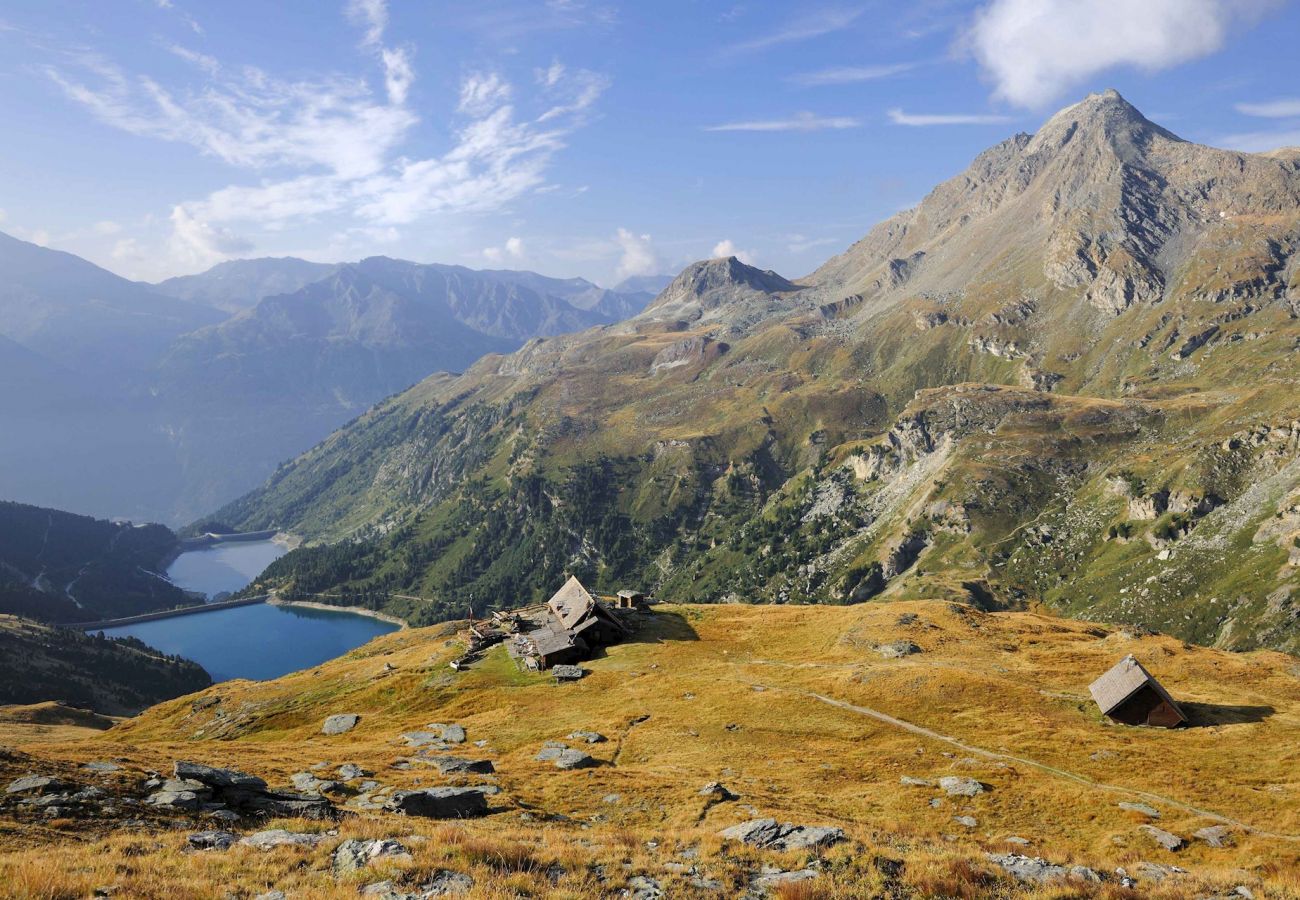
pixel 454 765
pixel 1215 835
pixel 288 806
pixel 1028 869
pixel 446 884
pixel 770 834
pixel 564 757
pixel 452 734
pixel 968 821
pixel 349 771
pixel 643 887
pixel 588 737
pixel 35 784
pixel 1083 873
pixel 913 782
pixel 1024 842
pixel 212 840
pixel 279 837
pixel 1157 872
pixel 352 855
pixel 718 791
pixel 1170 842
pixel 422 738
pixel 340 723
pixel 770 880
pixel 174 799
pixel 897 649
pixel 97 766
pixel 1142 808
pixel 305 781
pixel 439 803
pixel 218 778
pixel 271 895
pixel 960 786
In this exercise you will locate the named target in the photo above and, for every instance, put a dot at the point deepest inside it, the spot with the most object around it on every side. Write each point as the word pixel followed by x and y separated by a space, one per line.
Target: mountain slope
pixel 1067 375
pixel 239 284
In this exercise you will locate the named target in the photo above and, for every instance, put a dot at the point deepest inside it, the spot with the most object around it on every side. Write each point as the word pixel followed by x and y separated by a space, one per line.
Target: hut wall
pixel 1147 707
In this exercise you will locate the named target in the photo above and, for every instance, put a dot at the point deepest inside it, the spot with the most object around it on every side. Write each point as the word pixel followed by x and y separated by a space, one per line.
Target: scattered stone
pixel 897 649
pixel 587 737
pixel 340 723
pixel 564 757
pixel 769 880
pixel 1083 873
pixel 97 766
pixel 1157 872
pixel 1170 842
pixel 422 738
pixel 279 837
pixel 36 784
pixel 174 800
pixel 643 887
pixel 271 895
pixel 913 782
pixel 611 799
pixel 769 834
pixel 968 821
pixel 1016 839
pixel 1149 811
pixel 1215 835
pixel 352 855
pixel 936 803
pixel 454 765
pixel 217 778
pixel 349 771
pixel 718 791
pixel 568 673
pixel 212 840
pixel 452 734
pixel 959 786
pixel 439 803
pixel 1028 869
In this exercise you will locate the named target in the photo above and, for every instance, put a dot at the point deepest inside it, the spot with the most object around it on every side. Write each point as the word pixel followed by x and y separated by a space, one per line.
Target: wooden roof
pixel 1125 679
pixel 551 640
pixel 571 603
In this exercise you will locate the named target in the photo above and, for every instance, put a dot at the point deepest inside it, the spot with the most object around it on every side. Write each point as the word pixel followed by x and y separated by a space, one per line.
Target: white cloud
pixel 1035 50
pixel 805 28
pixel 106 228
pixel 371 15
pixel 803 121
pixel 513 249
pixel 801 243
pixel 849 74
pixel 898 117
pixel 551 75
pixel 203 243
pixel 202 61
pixel 481 93
pixel 638 255
pixel 727 248
pixel 1285 108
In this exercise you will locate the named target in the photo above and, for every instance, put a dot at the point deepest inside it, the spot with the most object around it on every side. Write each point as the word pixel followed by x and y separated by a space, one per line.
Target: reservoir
pixel 260 641
pixel 257 642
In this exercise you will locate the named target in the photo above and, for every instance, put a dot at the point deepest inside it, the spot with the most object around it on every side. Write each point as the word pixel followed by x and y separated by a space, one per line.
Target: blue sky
pixel 573 137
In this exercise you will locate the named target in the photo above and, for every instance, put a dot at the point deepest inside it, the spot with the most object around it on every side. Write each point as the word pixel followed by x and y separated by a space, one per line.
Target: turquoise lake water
pixel 256 642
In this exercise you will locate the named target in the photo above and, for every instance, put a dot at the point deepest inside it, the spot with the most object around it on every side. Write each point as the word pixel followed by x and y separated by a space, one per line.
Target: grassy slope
pixel 729 694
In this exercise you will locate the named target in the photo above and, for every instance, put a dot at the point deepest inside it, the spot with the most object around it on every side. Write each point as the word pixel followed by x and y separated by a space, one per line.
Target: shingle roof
pixel 550 640
pixel 1123 680
pixel 571 603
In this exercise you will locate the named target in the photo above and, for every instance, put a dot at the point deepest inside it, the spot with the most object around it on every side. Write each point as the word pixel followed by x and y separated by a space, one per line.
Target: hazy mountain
pixel 240 283
pixel 84 317
pixel 1067 375
pixel 644 284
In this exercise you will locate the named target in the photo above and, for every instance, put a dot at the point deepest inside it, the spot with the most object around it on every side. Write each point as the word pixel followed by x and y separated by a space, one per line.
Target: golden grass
pixel 732 693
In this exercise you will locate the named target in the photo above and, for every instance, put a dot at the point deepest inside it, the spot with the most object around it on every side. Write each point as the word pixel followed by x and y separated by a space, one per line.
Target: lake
pixel 260 641
pixel 223 567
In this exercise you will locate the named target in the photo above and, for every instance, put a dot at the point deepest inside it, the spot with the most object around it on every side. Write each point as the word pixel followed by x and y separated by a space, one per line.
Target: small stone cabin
pixel 629 599
pixel 1130 694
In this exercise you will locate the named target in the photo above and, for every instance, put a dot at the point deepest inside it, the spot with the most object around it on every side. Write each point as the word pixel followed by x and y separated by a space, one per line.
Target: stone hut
pixel 629 599
pixel 1130 694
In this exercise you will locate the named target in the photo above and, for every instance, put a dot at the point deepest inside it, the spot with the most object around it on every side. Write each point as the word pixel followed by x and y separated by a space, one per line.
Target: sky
pixel 593 138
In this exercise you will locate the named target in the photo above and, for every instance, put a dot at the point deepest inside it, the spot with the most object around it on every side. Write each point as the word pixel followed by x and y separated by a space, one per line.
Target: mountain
pixel 117 677
pixel 84 317
pixel 61 567
pixel 970 763
pixel 239 284
pixel 193 398
pixel 1066 377
pixel 644 284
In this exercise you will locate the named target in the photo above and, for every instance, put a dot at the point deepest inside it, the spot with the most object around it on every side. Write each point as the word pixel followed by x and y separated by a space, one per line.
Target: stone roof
pixel 571 603
pixel 551 640
pixel 1124 680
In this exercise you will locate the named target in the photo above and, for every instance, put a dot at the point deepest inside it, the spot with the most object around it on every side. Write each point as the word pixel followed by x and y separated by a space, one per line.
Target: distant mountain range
pixel 1067 376
pixel 163 401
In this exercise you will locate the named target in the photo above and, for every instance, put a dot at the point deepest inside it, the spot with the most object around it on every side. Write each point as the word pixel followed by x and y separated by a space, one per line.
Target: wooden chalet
pixel 564 630
pixel 1130 694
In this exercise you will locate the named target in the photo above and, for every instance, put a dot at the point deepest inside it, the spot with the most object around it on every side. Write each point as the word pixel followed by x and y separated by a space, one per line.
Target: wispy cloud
pixel 328 144
pixel 899 117
pixel 803 121
pixel 1284 108
pixel 849 74
pixel 1263 141
pixel 812 25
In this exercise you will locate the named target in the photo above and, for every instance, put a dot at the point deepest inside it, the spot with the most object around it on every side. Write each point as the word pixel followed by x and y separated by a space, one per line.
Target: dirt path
pixel 1052 770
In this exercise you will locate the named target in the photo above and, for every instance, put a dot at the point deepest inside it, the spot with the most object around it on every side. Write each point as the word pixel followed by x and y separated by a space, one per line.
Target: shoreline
pixel 401 624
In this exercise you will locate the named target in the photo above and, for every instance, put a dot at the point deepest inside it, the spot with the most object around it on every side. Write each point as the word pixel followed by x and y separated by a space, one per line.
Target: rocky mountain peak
pixel 1101 118
pixel 713 283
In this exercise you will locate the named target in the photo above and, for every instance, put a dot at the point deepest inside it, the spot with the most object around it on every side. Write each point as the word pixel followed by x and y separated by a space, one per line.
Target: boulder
pixel 452 734
pixel 960 786
pixel 1215 835
pixel 174 800
pixel 340 723
pixel 212 840
pixel 968 821
pixel 767 881
pixel 36 784
pixel 217 778
pixel 455 765
pixel 98 766
pixel 349 771
pixel 279 837
pixel 1028 869
pixel 769 834
pixel 287 806
pixel 717 791
pixel 439 803
pixel 914 782
pixel 897 649
pixel 1170 842
pixel 352 855
pixel 422 738
pixel 643 887
pixel 564 757
pixel 587 737
pixel 1141 808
